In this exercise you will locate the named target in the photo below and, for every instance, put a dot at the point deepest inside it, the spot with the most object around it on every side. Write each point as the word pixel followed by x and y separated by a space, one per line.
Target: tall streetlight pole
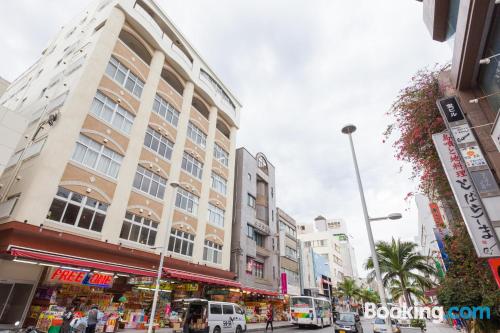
pixel 349 129
pixel 160 266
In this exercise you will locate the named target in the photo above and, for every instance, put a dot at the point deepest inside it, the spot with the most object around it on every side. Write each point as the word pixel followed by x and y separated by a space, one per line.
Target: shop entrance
pixel 13 299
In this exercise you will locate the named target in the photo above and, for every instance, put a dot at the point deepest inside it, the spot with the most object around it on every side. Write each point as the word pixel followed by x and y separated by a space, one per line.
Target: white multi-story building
pixel 124 136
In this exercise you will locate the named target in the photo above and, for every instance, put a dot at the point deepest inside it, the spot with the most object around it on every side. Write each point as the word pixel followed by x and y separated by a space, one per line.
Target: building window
pixel 166 110
pixel 196 135
pixel 77 210
pixel 221 155
pixel 215 215
pixel 219 184
pixel 158 143
pixel 307 244
pixel 255 267
pixel 256 236
pixel 291 253
pixel 104 108
pixel 192 165
pixel 288 230
pixel 319 243
pixel 122 75
pixel 97 157
pixel 181 242
pixel 291 276
pixel 136 228
pixel 212 252
pixel 186 201
pixel 251 200
pixel 149 182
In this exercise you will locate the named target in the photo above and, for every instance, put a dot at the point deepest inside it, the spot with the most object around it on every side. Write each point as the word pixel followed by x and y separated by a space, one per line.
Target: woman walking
pixel 269 317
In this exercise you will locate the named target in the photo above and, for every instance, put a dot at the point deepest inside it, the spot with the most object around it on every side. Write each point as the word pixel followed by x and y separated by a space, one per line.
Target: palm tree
pixel 368 295
pixel 348 289
pixel 404 271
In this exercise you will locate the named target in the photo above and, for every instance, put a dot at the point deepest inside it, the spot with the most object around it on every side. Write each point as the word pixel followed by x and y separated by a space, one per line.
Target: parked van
pixel 202 316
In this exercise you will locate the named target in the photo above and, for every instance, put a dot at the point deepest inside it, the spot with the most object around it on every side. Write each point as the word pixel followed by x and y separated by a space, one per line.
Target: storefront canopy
pixel 184 275
pixel 79 262
pixel 261 291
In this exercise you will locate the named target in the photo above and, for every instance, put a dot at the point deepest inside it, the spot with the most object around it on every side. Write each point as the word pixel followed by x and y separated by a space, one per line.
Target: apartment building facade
pixel 127 137
pixel 255 248
pixel 325 244
pixel 289 254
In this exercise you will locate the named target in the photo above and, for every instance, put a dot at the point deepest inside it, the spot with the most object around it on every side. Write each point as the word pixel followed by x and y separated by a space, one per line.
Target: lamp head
pixel 394 216
pixel 348 129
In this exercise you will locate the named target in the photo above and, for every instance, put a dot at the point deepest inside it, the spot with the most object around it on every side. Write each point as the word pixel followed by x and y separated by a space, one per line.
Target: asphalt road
pixel 367 328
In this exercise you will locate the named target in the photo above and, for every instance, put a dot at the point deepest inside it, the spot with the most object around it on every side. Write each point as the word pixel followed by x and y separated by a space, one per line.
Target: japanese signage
pixel 463 134
pixel 449 106
pixel 478 225
pixel 284 283
pixel 473 156
pixel 143 280
pixel 262 227
pixel 439 235
pixel 436 214
pixel 75 276
pixel 495 132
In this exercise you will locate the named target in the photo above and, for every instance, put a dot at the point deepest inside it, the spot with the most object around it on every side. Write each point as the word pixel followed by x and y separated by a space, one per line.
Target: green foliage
pixel 417 323
pixel 368 295
pixel 404 271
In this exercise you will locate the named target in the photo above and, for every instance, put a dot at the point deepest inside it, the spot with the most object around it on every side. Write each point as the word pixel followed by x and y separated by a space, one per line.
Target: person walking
pixel 269 317
pixel 92 319
pixel 67 318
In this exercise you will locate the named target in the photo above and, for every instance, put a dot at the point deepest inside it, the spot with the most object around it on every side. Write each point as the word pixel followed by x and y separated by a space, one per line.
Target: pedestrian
pixel 67 318
pixel 92 319
pixel 269 317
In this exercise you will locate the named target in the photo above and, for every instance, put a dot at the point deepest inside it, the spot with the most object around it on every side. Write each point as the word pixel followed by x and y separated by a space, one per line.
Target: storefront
pixel 257 301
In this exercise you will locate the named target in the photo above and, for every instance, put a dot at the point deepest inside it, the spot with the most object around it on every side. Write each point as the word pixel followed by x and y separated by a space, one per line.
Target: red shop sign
pixel 64 275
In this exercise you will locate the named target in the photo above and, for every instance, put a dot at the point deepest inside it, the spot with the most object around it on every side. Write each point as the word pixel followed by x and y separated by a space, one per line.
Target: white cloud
pixel 302 69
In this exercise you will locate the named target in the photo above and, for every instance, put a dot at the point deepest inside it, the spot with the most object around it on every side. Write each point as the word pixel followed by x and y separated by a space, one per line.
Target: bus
pixel 310 311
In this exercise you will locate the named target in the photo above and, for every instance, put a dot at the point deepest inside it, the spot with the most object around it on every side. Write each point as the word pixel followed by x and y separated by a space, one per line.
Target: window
pixel 212 252
pixel 136 228
pixel 215 215
pixel 197 135
pixel 291 275
pixel 149 182
pixel 238 310
pixel 288 230
pixel 166 110
pixel 13 296
pixel 221 155
pixel 96 156
pixel 123 76
pixel 186 201
pixel 227 309
pixel 104 108
pixel 251 201
pixel 307 244
pixel 158 143
pixel 290 252
pixel 77 210
pixel 215 309
pixel 192 165
pixel 219 184
pixel 255 268
pixel 181 242
pixel 256 236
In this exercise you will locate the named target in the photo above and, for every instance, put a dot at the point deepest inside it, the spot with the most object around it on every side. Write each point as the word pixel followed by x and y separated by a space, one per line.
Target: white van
pixel 202 316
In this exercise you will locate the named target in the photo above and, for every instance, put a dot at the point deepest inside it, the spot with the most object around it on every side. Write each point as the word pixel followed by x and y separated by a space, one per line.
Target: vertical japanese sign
pixel 478 225
pixel 436 215
pixel 284 283
pixel 438 234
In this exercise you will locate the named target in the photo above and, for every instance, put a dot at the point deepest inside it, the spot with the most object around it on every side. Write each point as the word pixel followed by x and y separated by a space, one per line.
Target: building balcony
pixel 262 251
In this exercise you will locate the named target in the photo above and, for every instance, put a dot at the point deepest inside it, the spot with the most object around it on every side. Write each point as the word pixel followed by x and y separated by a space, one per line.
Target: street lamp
pixel 160 266
pixel 349 129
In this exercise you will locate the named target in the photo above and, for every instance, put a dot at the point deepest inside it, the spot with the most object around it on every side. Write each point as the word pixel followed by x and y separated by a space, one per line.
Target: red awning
pixel 80 262
pixel 261 291
pixel 184 275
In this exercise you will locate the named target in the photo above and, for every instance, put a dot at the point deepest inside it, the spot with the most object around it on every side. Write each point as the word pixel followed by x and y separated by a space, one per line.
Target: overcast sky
pixel 301 69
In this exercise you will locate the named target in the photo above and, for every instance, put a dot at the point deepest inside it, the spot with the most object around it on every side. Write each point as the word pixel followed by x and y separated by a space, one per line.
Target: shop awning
pixel 261 291
pixel 79 262
pixel 184 275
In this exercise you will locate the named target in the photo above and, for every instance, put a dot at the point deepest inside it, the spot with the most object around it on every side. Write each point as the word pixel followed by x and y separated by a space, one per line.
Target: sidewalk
pixel 440 328
pixel 251 327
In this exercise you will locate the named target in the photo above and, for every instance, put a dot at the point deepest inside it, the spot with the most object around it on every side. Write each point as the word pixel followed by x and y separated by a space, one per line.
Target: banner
pixel 440 243
pixel 284 283
pixel 477 222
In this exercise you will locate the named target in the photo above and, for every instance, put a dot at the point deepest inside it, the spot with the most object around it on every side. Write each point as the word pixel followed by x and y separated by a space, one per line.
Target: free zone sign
pixel 76 276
